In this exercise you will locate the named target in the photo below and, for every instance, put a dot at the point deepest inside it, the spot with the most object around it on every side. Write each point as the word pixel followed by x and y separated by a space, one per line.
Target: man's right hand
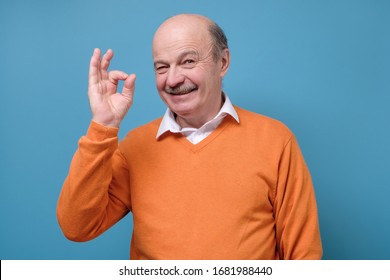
pixel 108 106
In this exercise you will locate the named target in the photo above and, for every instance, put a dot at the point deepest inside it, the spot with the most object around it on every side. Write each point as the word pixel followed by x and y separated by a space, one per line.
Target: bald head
pixel 182 19
pixel 198 25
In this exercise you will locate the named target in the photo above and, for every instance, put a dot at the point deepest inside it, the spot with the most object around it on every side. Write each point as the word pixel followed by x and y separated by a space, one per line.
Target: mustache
pixel 180 89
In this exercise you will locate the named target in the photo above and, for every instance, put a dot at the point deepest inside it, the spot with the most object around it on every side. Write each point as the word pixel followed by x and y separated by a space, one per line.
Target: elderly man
pixel 207 181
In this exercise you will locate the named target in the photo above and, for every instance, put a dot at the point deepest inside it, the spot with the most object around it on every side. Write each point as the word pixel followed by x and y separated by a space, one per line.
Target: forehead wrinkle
pixel 177 49
pixel 180 55
pixel 177 37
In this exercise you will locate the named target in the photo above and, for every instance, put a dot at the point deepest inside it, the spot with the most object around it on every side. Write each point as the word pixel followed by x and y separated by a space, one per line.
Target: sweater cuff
pixel 99 132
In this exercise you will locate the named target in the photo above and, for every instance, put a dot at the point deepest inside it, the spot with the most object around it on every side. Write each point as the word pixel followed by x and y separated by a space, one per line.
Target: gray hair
pixel 218 38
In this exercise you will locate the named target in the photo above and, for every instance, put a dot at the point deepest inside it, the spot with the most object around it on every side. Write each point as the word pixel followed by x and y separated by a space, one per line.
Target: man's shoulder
pixel 256 121
pixel 145 132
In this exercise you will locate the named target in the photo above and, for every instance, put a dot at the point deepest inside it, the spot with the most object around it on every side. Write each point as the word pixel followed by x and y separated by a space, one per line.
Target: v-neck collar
pixel 227 121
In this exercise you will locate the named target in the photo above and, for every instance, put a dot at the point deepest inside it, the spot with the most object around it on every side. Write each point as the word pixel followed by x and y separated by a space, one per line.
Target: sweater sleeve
pixel 96 192
pixel 295 209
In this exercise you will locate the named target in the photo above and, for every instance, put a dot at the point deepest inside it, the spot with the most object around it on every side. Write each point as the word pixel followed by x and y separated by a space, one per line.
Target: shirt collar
pixel 168 123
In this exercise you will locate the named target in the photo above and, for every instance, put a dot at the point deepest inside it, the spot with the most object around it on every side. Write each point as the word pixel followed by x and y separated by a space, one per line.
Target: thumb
pixel 129 85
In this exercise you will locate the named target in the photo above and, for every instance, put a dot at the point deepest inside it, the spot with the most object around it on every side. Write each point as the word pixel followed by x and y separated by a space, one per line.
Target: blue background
pixel 321 67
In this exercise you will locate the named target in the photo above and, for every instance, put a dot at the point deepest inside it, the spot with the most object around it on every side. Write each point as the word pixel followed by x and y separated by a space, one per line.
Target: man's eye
pixel 189 63
pixel 161 69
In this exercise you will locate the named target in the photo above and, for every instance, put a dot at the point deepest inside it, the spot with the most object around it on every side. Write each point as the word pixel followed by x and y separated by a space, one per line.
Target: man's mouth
pixel 181 90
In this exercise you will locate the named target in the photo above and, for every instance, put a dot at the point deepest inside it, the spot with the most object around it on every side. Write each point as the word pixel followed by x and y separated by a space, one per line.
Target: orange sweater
pixel 242 193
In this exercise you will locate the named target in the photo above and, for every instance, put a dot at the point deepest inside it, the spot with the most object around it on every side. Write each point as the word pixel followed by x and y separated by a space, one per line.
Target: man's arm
pixel 297 227
pixel 96 193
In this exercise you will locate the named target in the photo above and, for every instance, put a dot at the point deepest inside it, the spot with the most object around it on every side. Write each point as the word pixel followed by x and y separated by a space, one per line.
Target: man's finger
pixel 106 59
pixel 116 75
pixel 94 67
pixel 129 85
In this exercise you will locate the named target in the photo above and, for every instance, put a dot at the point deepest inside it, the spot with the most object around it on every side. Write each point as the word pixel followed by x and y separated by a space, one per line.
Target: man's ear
pixel 225 62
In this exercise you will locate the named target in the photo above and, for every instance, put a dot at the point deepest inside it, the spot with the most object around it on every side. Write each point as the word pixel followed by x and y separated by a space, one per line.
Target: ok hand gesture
pixel 108 106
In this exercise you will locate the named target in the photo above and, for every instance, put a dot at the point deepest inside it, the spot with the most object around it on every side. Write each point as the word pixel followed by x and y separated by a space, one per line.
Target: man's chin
pixel 181 109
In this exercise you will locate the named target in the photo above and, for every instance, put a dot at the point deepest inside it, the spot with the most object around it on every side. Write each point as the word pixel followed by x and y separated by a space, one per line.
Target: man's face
pixel 188 78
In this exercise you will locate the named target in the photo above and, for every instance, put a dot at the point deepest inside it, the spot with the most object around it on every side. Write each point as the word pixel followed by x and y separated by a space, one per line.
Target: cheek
pixel 160 82
pixel 195 77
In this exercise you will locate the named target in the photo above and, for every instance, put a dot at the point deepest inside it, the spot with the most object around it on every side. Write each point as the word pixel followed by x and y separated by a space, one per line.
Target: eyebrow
pixel 180 57
pixel 187 53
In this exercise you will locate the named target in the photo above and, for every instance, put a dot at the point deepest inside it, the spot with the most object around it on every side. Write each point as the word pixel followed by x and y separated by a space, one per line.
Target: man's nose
pixel 175 77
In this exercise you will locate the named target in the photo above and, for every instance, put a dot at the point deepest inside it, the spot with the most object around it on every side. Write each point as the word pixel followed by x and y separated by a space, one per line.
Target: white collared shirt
pixel 195 135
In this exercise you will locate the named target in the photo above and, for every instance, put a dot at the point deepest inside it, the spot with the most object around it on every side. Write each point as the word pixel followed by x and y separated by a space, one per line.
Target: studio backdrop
pixel 320 67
